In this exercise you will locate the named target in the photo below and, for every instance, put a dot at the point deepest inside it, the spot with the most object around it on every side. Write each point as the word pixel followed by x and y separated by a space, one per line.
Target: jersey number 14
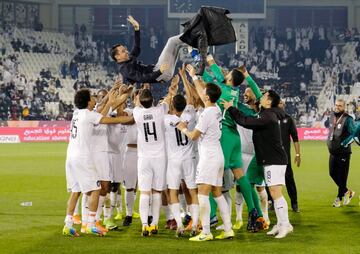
pixel 149 132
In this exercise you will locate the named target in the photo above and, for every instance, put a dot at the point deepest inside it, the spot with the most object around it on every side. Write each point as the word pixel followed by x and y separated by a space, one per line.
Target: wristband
pixel 195 78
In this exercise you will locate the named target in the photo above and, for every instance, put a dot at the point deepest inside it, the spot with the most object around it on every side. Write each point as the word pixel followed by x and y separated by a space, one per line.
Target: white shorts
pixel 130 170
pixel 102 165
pixel 210 169
pixel 152 173
pixel 81 175
pixel 246 158
pixel 115 164
pixel 181 169
pixel 274 175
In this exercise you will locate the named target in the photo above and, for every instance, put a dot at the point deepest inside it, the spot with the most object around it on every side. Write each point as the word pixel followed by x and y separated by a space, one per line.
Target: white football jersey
pixel 178 145
pixel 209 124
pixel 247 144
pixel 131 130
pixel 150 129
pixel 116 137
pixel 82 126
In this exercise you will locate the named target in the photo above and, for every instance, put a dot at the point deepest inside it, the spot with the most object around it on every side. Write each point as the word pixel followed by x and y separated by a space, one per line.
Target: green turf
pixel 35 172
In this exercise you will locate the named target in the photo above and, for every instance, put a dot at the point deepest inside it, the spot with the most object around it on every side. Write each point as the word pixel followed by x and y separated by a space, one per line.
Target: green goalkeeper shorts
pixel 231 146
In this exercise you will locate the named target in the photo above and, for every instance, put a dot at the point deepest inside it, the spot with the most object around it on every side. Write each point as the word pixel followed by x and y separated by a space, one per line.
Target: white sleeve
pixel 165 107
pixel 203 123
pixel 94 117
pixel 136 112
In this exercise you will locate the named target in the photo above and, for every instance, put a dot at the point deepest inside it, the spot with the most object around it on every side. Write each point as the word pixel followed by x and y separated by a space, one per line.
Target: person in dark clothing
pixel 341 127
pixel 269 152
pixel 288 129
pixel 210 26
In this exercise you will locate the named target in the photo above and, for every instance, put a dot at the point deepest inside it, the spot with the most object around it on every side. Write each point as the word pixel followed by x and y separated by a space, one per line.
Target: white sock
pixel 99 209
pixel 69 221
pixel 91 220
pixel 194 210
pixel 119 202
pixel 156 205
pixel 113 200
pixel 175 209
pixel 168 213
pixel 182 201
pixel 224 212
pixel 129 202
pixel 264 204
pixel 150 205
pixel 77 207
pixel 281 210
pixel 107 213
pixel 228 199
pixel 239 203
pixel 144 208
pixel 84 209
pixel 204 207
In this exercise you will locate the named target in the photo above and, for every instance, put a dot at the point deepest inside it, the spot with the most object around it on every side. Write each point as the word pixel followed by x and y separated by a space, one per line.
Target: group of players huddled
pixel 188 143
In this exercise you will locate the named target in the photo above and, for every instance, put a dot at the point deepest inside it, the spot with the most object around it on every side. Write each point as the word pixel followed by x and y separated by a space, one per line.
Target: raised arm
pixel 173 88
pixel 252 84
pixel 199 84
pixel 215 69
pixel 136 48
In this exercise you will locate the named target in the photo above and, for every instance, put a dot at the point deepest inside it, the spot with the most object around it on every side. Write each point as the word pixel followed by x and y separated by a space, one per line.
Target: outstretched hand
pixel 181 126
pixel 133 22
pixel 227 104
pixel 191 70
pixel 243 70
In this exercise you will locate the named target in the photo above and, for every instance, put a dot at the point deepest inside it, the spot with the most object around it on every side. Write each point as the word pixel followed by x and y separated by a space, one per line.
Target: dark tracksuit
pixel 341 126
pixel 288 128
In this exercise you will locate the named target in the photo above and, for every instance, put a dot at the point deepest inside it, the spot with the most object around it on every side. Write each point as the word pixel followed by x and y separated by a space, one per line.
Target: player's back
pixel 82 125
pixel 179 146
pixel 210 126
pixel 150 128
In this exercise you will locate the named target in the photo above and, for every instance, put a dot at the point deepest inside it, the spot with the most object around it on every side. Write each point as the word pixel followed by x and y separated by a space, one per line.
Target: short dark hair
pixel 213 91
pixel 274 97
pixel 146 98
pixel 179 103
pixel 82 98
pixel 237 77
pixel 113 51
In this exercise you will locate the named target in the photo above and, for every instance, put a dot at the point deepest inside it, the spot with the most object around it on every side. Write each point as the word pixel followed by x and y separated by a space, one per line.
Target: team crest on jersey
pixel 285 121
pixel 148 117
pixel 234 93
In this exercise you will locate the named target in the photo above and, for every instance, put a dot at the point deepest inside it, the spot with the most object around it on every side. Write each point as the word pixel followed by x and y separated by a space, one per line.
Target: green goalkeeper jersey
pixel 229 93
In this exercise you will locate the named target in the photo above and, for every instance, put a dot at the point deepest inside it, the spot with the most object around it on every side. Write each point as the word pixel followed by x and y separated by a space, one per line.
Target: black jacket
pixel 134 70
pixel 209 27
pixel 266 134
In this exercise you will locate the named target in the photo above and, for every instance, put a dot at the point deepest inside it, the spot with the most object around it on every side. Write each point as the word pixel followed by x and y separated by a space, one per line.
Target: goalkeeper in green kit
pixel 230 139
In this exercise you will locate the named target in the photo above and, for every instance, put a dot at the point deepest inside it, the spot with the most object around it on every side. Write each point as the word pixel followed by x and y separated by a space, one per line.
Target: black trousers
pixel 339 171
pixel 290 184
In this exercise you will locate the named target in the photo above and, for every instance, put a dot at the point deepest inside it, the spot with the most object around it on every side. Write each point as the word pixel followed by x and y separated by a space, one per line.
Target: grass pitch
pixel 35 172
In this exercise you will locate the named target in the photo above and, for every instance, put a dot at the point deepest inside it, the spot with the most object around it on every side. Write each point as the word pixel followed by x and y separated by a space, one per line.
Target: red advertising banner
pixel 313 133
pixel 54 131
pixel 34 134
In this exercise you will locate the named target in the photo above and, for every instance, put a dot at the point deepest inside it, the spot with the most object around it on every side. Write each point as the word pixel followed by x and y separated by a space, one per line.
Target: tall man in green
pixel 230 139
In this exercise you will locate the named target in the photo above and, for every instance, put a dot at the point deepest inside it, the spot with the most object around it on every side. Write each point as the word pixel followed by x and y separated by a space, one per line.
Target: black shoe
pixel 295 208
pixel 150 218
pixel 187 219
pixel 252 226
pixel 127 221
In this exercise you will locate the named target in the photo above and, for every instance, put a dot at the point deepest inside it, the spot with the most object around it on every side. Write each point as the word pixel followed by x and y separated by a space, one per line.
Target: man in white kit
pixel 81 175
pixel 181 160
pixel 151 157
pixel 210 169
